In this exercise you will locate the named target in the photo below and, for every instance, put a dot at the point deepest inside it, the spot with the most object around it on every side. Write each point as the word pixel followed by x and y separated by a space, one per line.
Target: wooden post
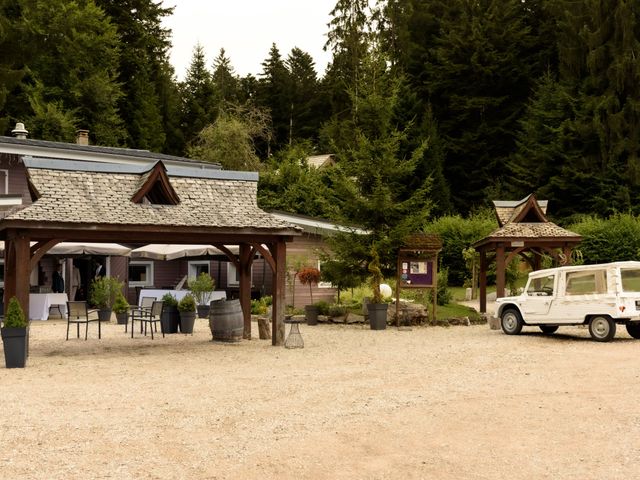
pixel 434 269
pixel 17 264
pixel 279 253
pixel 500 271
pixel 245 287
pixel 483 281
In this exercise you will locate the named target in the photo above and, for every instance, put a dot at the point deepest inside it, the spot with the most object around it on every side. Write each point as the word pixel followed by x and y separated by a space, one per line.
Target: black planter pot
pixel 187 320
pixel 170 319
pixel 104 314
pixel 311 314
pixel 378 315
pixel 15 342
pixel 122 318
pixel 203 311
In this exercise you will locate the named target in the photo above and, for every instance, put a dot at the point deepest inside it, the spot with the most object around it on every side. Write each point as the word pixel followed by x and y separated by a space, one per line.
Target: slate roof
pixel 511 228
pixel 96 195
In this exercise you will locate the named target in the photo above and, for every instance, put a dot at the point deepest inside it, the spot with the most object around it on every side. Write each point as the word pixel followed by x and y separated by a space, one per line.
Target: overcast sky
pixel 246 29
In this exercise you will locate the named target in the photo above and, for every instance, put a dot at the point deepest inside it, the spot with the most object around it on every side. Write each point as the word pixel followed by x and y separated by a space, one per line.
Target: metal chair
pixel 145 305
pixel 77 312
pixel 148 316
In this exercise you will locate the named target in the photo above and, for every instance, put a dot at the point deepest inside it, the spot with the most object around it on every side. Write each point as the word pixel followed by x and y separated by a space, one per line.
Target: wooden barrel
pixel 226 321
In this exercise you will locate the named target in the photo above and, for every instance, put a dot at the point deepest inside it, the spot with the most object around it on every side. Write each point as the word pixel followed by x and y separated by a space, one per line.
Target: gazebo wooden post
pixel 245 287
pixel 500 270
pixel 279 252
pixel 483 281
pixel 17 263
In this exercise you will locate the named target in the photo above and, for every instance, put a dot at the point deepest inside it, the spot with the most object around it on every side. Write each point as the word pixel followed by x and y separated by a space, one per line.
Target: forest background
pixel 432 108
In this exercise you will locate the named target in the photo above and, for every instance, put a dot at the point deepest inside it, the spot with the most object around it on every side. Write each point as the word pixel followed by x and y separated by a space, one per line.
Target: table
pixel 177 294
pixel 39 304
pixel 294 340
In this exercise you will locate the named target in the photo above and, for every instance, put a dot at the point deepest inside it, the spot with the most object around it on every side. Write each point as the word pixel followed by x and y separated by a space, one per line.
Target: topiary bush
pixel 187 304
pixel 120 305
pixel 169 300
pixel 14 316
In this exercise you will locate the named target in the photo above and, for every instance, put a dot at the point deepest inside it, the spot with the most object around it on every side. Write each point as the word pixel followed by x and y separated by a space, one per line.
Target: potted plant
pixel 121 309
pixel 201 288
pixel 15 336
pixel 104 291
pixel 377 309
pixel 187 309
pixel 170 315
pixel 310 276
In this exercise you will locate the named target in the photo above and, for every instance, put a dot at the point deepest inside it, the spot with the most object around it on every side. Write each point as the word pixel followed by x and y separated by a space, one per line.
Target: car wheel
pixel 511 322
pixel 633 329
pixel 602 329
pixel 547 329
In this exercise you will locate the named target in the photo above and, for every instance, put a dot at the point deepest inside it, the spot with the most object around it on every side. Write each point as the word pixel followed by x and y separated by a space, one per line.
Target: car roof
pixel 594 266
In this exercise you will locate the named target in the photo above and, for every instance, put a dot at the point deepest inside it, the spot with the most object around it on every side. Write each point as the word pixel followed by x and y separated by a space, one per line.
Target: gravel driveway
pixel 432 403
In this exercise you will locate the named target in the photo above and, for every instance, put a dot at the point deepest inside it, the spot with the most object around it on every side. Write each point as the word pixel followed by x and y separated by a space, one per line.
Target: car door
pixel 538 298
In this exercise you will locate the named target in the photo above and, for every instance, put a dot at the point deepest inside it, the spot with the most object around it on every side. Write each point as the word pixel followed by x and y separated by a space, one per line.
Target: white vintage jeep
pixel 600 296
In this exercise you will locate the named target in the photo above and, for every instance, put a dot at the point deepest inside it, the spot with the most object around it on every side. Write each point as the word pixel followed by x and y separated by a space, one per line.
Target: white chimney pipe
pixel 20 132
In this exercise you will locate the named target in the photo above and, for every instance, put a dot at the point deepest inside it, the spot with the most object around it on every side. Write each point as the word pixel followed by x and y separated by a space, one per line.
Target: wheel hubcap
pixel 601 327
pixel 510 322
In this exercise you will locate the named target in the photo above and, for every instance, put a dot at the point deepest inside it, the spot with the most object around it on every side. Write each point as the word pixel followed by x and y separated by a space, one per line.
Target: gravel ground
pixel 436 403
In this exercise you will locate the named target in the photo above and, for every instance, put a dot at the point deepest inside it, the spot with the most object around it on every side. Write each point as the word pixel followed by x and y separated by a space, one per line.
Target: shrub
pixel 457 234
pixel 609 240
pixel 187 304
pixel 14 317
pixel 104 291
pixel 444 294
pixel 323 307
pixel 258 307
pixel 169 300
pixel 336 310
pixel 201 286
pixel 120 305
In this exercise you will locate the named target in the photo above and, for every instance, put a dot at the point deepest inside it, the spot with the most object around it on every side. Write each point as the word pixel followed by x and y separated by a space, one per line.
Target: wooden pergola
pixel 524 231
pixel 89 203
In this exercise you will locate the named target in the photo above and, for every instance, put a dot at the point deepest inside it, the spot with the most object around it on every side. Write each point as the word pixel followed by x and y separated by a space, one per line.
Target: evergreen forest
pixel 431 107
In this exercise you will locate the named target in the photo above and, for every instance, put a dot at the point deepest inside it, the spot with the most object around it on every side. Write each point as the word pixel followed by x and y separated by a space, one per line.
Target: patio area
pixel 445 403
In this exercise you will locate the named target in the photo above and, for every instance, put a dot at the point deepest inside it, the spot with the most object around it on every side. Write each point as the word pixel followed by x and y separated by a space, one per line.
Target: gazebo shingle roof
pixel 532 230
pixel 104 197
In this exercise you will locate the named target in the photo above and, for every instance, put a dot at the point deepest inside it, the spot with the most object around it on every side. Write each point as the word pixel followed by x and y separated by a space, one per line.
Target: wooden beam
pixel 246 259
pixel 229 254
pixel 266 255
pixel 279 253
pixel 483 281
pixel 18 255
pixel 39 250
pixel 500 271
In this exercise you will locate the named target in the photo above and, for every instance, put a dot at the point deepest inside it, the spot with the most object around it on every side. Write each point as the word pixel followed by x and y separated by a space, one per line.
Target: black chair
pixel 77 312
pixel 145 305
pixel 150 316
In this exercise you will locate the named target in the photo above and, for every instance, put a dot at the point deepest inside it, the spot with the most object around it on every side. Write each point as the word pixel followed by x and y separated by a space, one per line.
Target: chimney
pixel 20 132
pixel 82 137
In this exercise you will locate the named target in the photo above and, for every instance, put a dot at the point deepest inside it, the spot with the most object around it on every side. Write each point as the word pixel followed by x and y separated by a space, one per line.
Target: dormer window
pixel 156 188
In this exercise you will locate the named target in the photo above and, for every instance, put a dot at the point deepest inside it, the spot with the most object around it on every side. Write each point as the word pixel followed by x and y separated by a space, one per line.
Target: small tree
pixel 201 287
pixel 104 291
pixel 15 317
pixel 309 276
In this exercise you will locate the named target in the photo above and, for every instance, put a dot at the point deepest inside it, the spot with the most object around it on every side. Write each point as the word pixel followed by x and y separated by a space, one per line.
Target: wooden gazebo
pixel 524 230
pixel 101 202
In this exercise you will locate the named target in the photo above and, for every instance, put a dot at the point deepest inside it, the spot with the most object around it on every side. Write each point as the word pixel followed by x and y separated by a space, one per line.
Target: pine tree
pixel 72 50
pixel 198 97
pixel 143 68
pixel 225 82
pixel 274 95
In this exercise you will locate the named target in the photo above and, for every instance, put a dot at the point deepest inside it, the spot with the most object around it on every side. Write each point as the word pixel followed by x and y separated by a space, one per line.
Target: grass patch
pixel 454 310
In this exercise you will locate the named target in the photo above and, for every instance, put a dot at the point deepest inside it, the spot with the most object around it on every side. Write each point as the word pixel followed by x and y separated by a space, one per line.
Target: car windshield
pixel 630 279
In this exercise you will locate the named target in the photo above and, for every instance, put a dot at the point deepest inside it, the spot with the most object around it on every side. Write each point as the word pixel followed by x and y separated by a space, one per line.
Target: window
pixel 584 283
pixel 4 182
pixel 196 268
pixel 630 279
pixel 233 276
pixel 541 286
pixel 140 274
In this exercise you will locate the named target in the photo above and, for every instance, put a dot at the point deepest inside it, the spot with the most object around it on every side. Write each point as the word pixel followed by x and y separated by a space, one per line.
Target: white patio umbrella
pixel 80 248
pixel 162 251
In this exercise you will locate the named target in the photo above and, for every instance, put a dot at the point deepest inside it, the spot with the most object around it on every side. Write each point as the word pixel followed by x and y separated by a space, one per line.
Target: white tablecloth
pixel 178 294
pixel 39 304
